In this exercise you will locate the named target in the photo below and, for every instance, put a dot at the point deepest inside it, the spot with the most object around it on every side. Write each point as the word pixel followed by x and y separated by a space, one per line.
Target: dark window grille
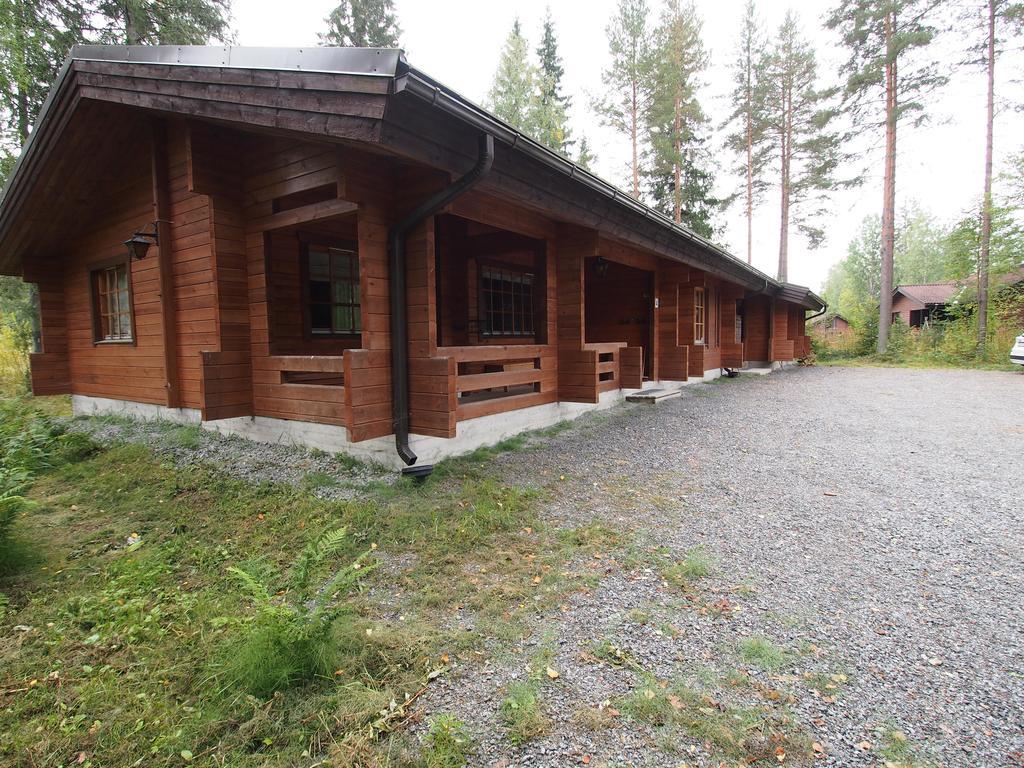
pixel 113 320
pixel 506 302
pixel 333 275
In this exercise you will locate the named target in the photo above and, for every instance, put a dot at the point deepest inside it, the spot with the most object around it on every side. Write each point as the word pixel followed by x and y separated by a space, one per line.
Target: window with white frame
pixel 699 316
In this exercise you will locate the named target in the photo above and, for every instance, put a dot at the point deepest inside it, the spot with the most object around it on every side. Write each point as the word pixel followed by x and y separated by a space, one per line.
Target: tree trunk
pixel 888 190
pixel 750 167
pixel 784 185
pixel 634 109
pixel 677 162
pixel 131 31
pixel 986 200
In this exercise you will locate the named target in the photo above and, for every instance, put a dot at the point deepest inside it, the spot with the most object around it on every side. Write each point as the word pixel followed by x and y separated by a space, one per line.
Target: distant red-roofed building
pixel 917 304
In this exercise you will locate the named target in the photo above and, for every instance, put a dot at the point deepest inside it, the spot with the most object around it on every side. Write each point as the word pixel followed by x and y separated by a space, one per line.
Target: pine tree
pixel 513 95
pixel 552 112
pixel 363 24
pixel 889 66
pixel 626 82
pixel 585 157
pixel 674 121
pixel 797 118
pixel 996 15
pixel 749 140
pixel 164 22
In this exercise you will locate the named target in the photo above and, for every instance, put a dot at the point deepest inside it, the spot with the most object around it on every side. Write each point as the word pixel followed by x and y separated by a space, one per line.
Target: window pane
pixel 342 292
pixel 319 291
pixel 319 265
pixel 341 263
pixel 320 318
pixel 342 318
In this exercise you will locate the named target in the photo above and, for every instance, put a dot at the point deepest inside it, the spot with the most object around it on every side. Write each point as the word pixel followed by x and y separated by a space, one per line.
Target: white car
pixel 1017 353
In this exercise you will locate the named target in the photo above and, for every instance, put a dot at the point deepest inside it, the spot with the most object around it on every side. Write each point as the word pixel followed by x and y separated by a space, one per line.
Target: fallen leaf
pixel 818 747
pixel 585 760
pixel 864 746
pixel 935 661
pixel 552 673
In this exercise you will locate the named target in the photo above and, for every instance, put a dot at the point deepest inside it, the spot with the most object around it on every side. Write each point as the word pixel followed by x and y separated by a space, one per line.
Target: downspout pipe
pixel 397 291
pixel 824 309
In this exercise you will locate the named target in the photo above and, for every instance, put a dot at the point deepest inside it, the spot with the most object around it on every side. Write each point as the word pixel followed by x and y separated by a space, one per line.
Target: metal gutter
pixel 421 85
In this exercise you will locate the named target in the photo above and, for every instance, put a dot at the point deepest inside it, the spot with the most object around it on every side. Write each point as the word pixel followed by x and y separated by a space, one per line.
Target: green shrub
pixel 291 639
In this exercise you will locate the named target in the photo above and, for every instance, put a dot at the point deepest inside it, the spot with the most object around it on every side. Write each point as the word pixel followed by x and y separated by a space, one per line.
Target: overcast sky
pixel 458 42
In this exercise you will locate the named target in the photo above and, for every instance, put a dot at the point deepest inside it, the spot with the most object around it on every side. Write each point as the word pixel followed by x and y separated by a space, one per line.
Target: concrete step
pixel 655 395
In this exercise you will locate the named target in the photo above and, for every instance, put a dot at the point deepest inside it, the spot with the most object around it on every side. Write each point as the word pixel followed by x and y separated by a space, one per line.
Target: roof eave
pixel 424 87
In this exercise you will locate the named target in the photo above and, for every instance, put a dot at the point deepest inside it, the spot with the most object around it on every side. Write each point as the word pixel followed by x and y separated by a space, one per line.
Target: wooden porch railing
pixel 495 379
pixel 585 373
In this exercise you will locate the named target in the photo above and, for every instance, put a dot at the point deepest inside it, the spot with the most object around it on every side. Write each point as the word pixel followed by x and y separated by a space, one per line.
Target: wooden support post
pixel 161 209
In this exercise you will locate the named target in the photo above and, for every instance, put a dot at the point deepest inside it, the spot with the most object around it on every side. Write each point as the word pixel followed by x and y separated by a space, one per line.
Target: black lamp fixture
pixel 138 244
pixel 600 266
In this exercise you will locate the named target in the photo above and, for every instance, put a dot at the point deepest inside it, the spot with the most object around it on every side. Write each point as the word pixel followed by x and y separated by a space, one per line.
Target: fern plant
pixel 290 639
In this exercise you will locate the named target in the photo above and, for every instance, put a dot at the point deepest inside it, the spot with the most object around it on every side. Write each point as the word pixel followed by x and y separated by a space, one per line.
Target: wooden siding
pixel 673 351
pixel 129 371
pixel 782 344
pixel 757 329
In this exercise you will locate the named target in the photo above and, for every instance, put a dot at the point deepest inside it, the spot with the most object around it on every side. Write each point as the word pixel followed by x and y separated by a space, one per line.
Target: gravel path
pixel 327 476
pixel 867 521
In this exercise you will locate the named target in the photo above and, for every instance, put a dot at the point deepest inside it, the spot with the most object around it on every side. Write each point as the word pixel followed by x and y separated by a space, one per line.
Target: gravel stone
pixel 187 446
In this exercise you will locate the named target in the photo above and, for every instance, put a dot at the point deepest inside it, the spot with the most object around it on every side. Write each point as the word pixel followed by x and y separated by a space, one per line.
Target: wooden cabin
pixel 329 247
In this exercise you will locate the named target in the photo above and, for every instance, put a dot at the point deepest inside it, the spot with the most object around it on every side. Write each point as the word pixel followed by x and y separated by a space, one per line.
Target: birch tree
pixel 796 118
pixel 626 81
pixel 749 140
pixel 362 23
pixel 888 78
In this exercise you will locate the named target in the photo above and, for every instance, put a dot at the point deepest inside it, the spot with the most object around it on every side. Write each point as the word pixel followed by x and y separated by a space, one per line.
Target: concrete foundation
pixel 470 435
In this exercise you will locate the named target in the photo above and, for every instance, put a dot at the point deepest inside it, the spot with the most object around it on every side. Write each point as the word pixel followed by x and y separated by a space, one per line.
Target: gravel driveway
pixel 865 521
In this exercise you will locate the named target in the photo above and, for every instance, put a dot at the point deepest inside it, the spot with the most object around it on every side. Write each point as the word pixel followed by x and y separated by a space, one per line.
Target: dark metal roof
pixel 337 61
pixel 391 63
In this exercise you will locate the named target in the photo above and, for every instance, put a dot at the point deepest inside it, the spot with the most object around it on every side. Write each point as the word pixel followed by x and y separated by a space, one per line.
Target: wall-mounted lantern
pixel 601 266
pixel 138 244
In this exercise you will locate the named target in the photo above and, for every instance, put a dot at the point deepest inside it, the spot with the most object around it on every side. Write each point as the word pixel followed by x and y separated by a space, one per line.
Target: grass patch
pixel 447 743
pixel 523 713
pixel 898 751
pixel 145 632
pixel 761 652
pixel 748 734
pixel 311 481
pixel 189 436
pixel 695 565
